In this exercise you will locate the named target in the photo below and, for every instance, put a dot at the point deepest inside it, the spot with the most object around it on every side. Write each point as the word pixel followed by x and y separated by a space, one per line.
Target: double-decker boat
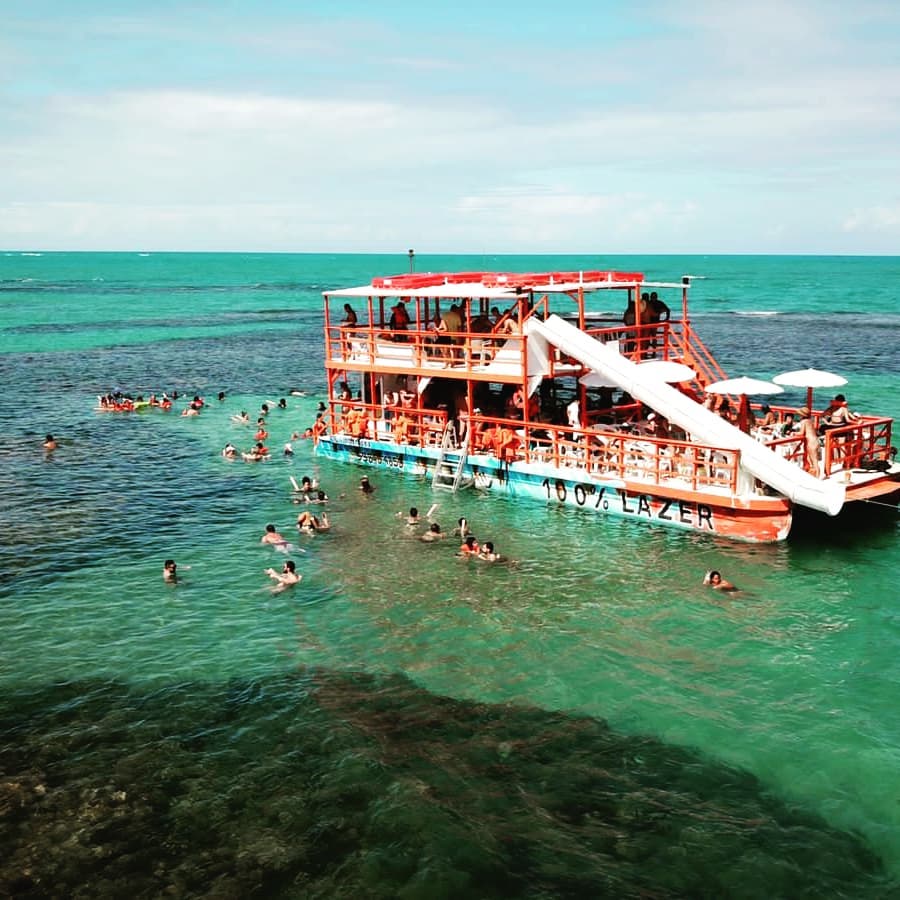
pixel 516 382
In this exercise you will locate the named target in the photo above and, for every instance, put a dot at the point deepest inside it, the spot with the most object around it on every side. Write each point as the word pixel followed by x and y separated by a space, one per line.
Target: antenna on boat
pixel 412 260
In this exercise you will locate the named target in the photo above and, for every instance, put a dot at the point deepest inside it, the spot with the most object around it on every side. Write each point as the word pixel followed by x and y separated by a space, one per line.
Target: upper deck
pixel 472 325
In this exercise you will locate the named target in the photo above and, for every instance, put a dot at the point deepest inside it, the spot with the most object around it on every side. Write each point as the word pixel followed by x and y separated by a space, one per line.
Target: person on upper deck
pixel 657 310
pixel 349 315
pixel 451 322
pixel 399 320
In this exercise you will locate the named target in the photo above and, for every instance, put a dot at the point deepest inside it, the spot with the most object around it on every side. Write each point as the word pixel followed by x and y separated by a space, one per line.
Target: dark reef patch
pixel 323 785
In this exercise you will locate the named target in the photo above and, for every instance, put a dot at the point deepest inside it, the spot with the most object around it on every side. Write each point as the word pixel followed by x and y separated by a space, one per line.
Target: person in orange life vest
pixel 261 434
pixel 259 452
pixel 506 443
pixel 360 427
pixel 488 438
pixel 469 547
pixel 401 429
pixel 319 427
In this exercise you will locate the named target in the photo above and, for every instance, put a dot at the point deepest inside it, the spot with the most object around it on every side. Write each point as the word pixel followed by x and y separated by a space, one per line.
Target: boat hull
pixel 763 520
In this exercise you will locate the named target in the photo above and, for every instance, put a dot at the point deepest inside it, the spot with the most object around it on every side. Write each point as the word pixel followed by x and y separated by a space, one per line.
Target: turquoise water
pixel 584 718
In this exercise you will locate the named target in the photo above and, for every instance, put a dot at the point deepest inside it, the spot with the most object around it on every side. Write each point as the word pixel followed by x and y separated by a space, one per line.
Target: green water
pixel 114 681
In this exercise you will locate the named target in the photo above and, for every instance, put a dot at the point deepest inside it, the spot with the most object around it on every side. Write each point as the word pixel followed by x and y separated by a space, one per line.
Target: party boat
pixel 525 383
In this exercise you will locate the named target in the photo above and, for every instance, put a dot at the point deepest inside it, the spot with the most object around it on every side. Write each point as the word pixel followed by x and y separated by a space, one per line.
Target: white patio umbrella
pixel 810 379
pixel 743 385
pixel 595 379
pixel 667 370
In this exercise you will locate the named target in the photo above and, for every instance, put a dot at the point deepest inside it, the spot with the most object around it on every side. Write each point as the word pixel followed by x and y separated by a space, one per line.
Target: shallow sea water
pixel 583 719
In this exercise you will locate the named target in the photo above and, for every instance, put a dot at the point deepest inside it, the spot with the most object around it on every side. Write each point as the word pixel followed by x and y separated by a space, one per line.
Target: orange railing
pixel 688 347
pixel 843 448
pixel 459 351
pixel 860 442
pixel 404 425
pixel 610 453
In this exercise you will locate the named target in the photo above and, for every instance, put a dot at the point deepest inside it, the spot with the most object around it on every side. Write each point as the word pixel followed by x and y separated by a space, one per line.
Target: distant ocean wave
pixel 187 322
pixel 99 286
pixel 758 312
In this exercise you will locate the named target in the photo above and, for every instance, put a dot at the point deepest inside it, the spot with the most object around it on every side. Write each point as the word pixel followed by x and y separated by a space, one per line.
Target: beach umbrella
pixel 810 379
pixel 667 370
pixel 595 379
pixel 743 385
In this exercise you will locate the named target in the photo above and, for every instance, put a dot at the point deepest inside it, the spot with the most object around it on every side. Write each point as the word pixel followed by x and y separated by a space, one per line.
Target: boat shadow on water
pixel 859 522
pixel 325 784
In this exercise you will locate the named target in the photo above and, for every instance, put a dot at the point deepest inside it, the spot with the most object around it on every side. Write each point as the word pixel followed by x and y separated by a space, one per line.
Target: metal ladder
pixel 448 472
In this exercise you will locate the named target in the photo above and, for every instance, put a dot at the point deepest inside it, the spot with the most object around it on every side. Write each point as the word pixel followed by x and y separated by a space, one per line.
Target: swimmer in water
pixel 434 533
pixel 50 442
pixel 413 517
pixel 311 524
pixel 286 578
pixel 715 580
pixel 487 552
pixel 272 536
pixel 170 573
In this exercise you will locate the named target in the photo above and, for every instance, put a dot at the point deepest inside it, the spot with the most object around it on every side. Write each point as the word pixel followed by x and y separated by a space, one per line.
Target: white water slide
pixel 757 459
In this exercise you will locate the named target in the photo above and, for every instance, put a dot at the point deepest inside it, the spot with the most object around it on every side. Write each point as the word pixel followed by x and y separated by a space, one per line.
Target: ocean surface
pixel 583 720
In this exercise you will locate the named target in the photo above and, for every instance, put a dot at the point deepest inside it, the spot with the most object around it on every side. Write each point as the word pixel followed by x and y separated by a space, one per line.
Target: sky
pixel 471 127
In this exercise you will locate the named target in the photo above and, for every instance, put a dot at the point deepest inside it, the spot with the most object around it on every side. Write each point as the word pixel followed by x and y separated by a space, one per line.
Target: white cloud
pixel 874 219
pixel 709 124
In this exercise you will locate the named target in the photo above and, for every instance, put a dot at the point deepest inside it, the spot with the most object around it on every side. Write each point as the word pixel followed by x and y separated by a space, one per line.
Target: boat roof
pixel 449 291
pixel 496 285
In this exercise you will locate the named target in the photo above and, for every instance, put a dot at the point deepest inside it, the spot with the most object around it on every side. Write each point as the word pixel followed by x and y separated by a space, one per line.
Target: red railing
pixel 609 453
pixel 851 446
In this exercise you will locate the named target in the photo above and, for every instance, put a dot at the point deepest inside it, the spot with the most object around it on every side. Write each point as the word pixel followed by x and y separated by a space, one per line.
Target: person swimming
pixel 488 553
pixel 434 533
pixel 287 577
pixel 272 536
pixel 170 571
pixel 715 580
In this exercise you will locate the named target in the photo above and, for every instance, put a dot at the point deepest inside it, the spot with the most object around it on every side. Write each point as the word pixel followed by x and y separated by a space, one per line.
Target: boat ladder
pixel 448 470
